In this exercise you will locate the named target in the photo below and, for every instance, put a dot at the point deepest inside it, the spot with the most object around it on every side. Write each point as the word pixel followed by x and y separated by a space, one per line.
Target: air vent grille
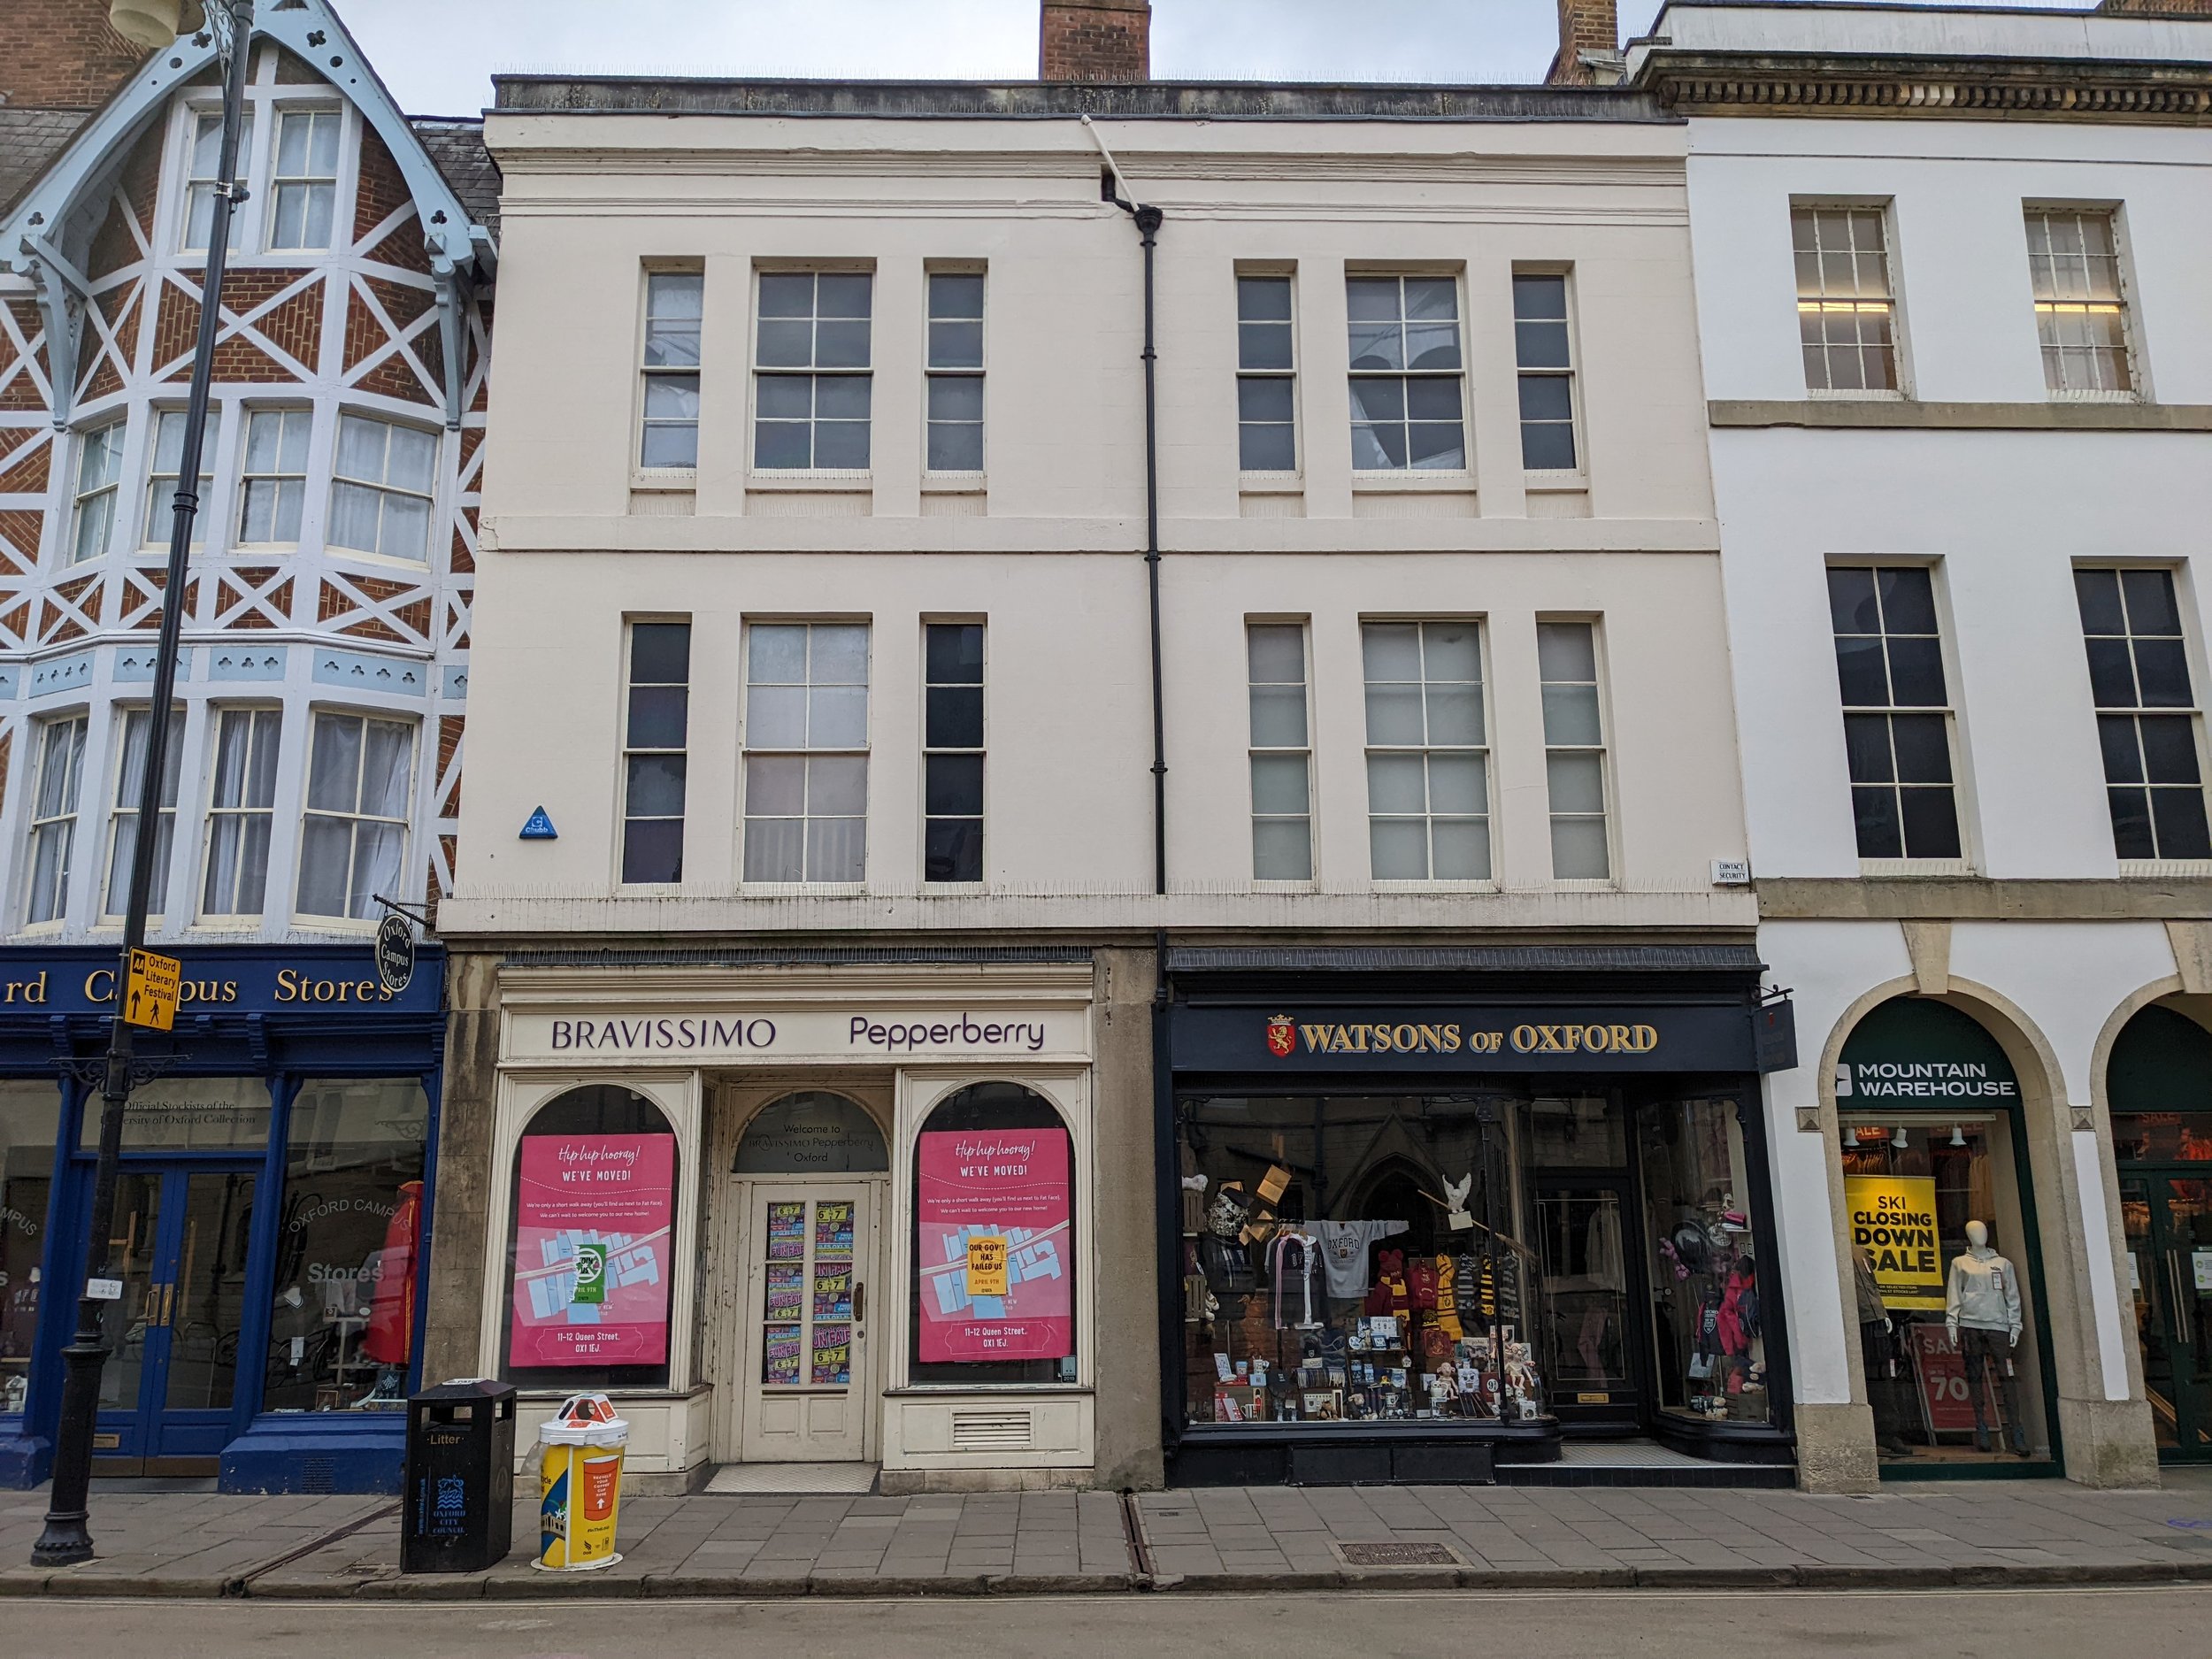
pixel 991 1432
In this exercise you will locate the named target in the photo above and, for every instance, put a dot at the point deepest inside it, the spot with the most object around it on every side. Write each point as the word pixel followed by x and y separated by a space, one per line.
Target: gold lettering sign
pixel 1285 1037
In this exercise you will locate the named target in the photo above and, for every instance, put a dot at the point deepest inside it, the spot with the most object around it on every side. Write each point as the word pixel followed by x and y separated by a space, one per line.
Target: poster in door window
pixel 786 1290
pixel 994 1228
pixel 833 1229
pixel 833 1354
pixel 786 1233
pixel 593 1217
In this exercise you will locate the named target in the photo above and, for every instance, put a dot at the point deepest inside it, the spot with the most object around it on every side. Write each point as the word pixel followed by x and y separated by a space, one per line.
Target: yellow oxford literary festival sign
pixel 1894 1220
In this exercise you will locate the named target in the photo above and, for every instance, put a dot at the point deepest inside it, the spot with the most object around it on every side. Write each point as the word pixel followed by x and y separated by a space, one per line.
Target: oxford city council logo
pixel 1282 1036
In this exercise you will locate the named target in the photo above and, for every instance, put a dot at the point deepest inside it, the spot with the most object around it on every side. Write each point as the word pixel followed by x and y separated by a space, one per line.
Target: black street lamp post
pixel 66 1538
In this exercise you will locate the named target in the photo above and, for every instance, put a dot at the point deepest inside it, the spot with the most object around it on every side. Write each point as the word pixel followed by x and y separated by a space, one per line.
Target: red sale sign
pixel 593 1215
pixel 995 1229
pixel 1941 1369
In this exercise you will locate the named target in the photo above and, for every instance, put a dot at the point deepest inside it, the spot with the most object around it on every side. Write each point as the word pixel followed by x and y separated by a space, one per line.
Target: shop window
pixel 30 1121
pixel 341 1332
pixel 2160 1084
pixel 1710 1336
pixel 994 1249
pixel 591 1222
pixel 1351 1259
pixel 188 1114
pixel 1944 1269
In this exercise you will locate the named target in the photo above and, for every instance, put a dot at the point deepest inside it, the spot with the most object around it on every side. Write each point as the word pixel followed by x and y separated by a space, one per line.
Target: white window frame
pixel 805 754
pixel 1258 753
pixel 355 817
pixel 115 900
pixel 1410 473
pixel 60 823
pixel 161 487
pixel 278 182
pixel 1480 751
pixel 194 186
pixel 1890 303
pixel 650 374
pixel 383 490
pixel 1570 375
pixel 102 495
pixel 935 372
pixel 219 812
pixel 1288 375
pixel 285 414
pixel 761 373
pixel 2121 302
pixel 1558 744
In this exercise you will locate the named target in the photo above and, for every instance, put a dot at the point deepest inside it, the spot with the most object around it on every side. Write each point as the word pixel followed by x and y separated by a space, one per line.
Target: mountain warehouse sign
pixel 1911 1051
pixel 1924 1079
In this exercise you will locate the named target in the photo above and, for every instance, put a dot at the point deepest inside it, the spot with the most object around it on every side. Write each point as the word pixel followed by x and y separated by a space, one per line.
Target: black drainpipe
pixel 1147 220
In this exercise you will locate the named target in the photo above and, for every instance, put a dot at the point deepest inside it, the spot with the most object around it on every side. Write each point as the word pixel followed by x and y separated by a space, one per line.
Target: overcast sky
pixel 438 56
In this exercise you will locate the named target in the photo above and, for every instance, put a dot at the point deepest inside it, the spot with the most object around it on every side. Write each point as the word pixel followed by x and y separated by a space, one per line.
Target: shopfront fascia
pixel 1536 1185
pixel 800 1110
pixel 274 1203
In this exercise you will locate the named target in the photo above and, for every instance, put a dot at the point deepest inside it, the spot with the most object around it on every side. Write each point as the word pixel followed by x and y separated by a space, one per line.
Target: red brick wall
pixel 61 54
pixel 1583 26
pixel 1095 40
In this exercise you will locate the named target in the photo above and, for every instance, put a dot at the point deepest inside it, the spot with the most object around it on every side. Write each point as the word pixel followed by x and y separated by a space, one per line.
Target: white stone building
pixel 1959 365
pixel 816 843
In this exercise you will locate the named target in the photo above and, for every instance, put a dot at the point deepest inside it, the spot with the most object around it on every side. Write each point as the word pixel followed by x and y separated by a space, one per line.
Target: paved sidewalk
pixel 1255 1539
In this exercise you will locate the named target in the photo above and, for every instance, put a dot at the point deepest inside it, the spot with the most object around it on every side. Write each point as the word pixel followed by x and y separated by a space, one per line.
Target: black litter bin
pixel 460 1484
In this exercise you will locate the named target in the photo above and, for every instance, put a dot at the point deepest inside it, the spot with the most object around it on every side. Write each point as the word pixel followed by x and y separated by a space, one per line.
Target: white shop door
pixel 809 1379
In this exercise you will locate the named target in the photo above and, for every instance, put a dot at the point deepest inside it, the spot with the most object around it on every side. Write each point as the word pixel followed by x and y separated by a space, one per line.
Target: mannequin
pixel 1877 1349
pixel 1981 1311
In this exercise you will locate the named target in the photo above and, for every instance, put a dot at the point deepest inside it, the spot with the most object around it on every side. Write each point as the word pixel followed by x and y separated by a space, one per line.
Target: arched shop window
pixel 2160 1084
pixel 30 1118
pixel 341 1329
pixel 1943 1265
pixel 995 1250
pixel 590 1234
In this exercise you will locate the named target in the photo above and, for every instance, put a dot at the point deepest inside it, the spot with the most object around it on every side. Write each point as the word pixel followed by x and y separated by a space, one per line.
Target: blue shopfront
pixel 272 1221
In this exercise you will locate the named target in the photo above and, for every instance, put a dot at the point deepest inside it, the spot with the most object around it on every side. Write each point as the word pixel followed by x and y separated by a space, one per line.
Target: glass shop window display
pixel 348 1247
pixel 1352 1260
pixel 30 1118
pixel 1710 1337
pixel 1946 1317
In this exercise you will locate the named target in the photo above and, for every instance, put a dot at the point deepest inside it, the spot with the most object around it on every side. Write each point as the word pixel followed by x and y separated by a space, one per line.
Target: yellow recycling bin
pixel 579 1484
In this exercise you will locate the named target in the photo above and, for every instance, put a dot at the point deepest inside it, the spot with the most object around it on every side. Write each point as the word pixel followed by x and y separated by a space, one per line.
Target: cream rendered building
pixel 730 889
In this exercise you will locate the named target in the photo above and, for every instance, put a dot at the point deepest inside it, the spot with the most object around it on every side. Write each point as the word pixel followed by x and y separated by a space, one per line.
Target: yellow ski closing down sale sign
pixel 1894 1220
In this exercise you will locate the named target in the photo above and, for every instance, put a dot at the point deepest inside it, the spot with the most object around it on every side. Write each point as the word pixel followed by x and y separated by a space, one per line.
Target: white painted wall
pixel 1052 562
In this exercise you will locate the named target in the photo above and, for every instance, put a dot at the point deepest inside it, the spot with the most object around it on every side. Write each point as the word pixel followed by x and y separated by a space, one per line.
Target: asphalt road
pixel 2141 1623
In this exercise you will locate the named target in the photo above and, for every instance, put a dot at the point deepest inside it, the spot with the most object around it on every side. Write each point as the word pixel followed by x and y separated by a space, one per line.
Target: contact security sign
pixel 1894 1220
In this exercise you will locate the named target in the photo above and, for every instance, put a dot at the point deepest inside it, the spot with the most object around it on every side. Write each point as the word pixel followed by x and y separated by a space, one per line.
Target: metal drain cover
pixel 1397 1556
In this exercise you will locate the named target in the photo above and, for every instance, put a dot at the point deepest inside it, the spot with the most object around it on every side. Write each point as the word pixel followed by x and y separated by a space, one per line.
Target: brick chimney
pixel 1095 40
pixel 62 55
pixel 1589 45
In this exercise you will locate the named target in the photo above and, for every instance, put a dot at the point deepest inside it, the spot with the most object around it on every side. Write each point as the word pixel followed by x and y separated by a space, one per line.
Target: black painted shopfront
pixel 1429 1214
pixel 271 1218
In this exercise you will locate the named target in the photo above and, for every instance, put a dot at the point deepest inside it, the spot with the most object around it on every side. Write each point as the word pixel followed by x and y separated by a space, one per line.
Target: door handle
pixel 860 1302
pixel 2183 1296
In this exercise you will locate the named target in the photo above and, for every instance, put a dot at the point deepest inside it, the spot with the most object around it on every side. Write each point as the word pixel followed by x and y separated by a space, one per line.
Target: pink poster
pixel 593 1215
pixel 995 1233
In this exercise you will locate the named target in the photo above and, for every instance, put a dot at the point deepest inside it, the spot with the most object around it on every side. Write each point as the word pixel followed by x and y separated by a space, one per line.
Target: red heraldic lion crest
pixel 1282 1036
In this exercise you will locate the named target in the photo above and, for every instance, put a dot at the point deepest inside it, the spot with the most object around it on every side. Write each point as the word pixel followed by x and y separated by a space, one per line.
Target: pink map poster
pixel 995 1233
pixel 593 1215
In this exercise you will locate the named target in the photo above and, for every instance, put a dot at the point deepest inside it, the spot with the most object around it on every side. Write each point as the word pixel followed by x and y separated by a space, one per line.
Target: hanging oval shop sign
pixel 394 953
